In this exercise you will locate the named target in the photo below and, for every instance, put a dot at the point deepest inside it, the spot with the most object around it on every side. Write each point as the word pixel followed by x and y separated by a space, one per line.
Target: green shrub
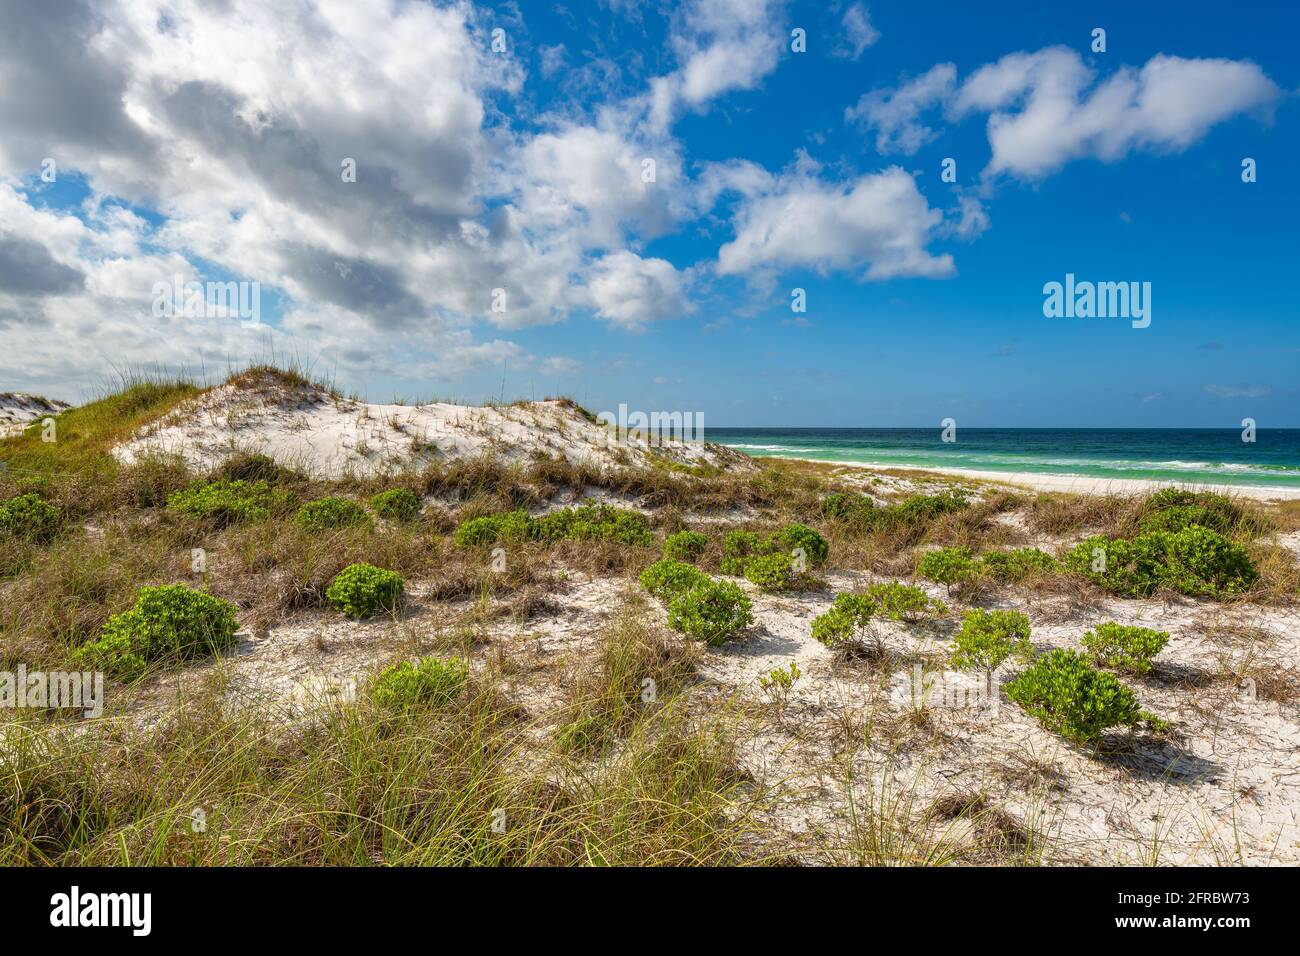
pixel 795 537
pixel 29 517
pixel 1011 567
pixel 1072 698
pixel 685 545
pixel 667 578
pixel 711 611
pixel 326 514
pixel 737 548
pixel 847 621
pixel 771 572
pixel 512 527
pixel 251 467
pixel 987 638
pixel 1195 561
pixel 948 566
pixel 903 602
pixel 1204 563
pixel 594 522
pixel 1129 568
pixel 1128 649
pixel 433 682
pixel 396 504
pixel 601 522
pixel 360 590
pixel 850 507
pixel 916 512
pixel 169 621
pixel 1173 509
pixel 231 502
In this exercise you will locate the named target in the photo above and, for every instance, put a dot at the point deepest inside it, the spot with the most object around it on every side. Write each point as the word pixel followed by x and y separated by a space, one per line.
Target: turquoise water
pixel 1199 455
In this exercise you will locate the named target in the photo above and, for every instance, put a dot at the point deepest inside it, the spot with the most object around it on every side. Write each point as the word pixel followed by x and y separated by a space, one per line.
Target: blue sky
pixel 680 299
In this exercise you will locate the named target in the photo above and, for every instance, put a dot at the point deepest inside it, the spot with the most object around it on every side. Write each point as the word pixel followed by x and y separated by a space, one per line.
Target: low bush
pixel 231 502
pixel 1128 649
pixel 360 590
pixel 594 522
pixel 327 514
pixel 513 527
pixel 903 602
pixel 1194 561
pixel 1012 567
pixel 433 682
pixel 396 504
pixel 249 466
pixel 846 623
pixel 1072 698
pixel 711 611
pixel 737 548
pixel 29 517
pixel 685 545
pixel 795 538
pixel 771 572
pixel 852 508
pixel 948 566
pixel 588 522
pixel 667 578
pixel 1173 509
pixel 168 621
pixel 987 638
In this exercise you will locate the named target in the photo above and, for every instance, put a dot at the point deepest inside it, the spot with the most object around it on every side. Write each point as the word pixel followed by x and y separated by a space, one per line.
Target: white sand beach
pixel 1086 484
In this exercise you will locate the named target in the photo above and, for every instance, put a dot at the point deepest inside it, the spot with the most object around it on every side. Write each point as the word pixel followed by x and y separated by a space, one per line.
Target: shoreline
pixel 1076 484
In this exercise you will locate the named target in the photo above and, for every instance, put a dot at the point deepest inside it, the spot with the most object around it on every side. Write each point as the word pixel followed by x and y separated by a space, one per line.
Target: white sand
pixel 18 410
pixel 1087 485
pixel 323 435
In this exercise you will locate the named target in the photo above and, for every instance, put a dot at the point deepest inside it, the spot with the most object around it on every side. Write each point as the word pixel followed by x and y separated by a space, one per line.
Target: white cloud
pixel 878 225
pixel 721 46
pixel 633 292
pixel 893 113
pixel 859 33
pixel 1047 107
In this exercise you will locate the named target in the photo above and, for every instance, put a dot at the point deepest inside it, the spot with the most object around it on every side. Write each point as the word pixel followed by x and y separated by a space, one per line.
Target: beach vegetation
pixel 988 638
pixel 29 517
pixel 1072 698
pixel 326 514
pixel 685 545
pixel 951 567
pixel 711 611
pixel 431 682
pixel 168 622
pixel 361 590
pixel 1123 648
pixel 396 504
pixel 225 502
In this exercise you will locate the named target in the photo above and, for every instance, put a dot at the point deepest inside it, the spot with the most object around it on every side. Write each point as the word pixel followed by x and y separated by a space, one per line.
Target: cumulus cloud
pixel 721 46
pixel 877 225
pixel 1048 107
pixel 633 292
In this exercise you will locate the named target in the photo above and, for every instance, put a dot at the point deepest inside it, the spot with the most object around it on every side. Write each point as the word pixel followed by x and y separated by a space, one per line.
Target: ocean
pixel 1199 455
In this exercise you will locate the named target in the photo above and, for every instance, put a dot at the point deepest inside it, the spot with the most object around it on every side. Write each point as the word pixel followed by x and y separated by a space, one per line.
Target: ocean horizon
pixel 1194 455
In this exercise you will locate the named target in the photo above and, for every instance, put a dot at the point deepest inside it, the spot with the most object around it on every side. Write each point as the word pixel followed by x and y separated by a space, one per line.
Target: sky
pixel 624 202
